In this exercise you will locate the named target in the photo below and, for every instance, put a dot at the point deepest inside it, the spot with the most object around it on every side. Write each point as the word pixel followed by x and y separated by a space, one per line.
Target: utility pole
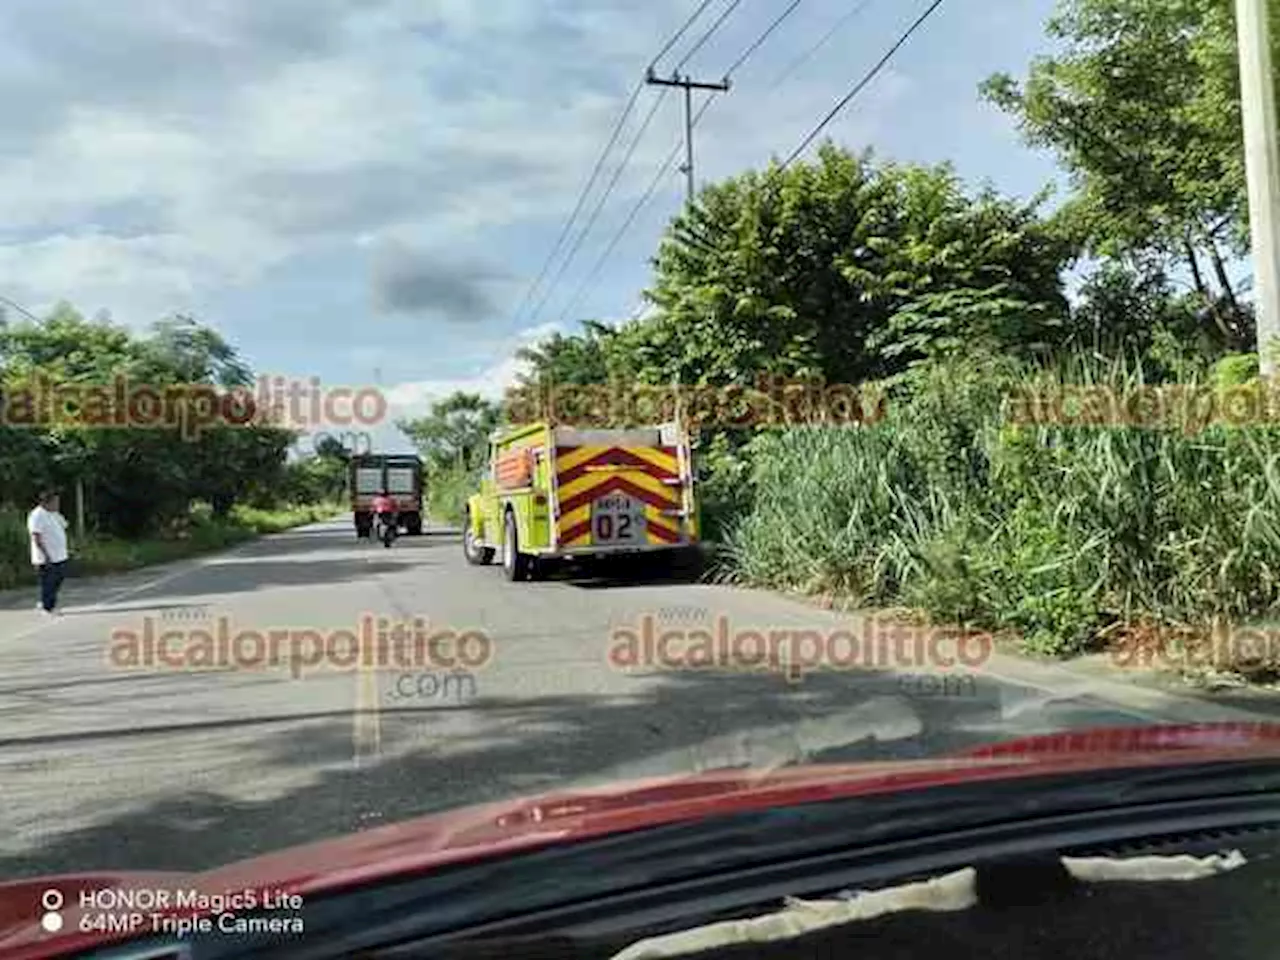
pixel 1262 169
pixel 689 85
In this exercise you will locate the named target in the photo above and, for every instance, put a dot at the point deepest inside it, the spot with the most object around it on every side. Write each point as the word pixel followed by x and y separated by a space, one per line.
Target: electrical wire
pixel 737 64
pixel 763 37
pixel 665 168
pixel 21 309
pixel 809 54
pixel 604 197
pixel 631 216
pixel 618 127
pixel 679 34
pixel 861 84
pixel 733 5
pixel 582 199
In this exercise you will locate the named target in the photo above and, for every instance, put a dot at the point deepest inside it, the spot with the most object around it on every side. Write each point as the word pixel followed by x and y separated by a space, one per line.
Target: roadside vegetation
pixel 1067 531
pixel 452 439
pixel 952 302
pixel 146 493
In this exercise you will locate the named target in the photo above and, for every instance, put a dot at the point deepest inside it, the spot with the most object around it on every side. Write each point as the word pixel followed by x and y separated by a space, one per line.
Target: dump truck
pixel 551 493
pixel 399 476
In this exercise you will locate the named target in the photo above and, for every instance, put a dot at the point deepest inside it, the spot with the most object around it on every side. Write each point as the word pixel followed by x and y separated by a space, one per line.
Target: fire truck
pixel 551 493
pixel 399 476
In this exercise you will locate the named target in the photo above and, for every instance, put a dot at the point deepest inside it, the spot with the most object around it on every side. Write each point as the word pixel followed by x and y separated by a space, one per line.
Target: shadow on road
pixel 249 575
pixel 443 758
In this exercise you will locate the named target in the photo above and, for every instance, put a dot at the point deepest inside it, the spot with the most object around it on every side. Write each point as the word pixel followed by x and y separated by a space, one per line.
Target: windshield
pixel 411 405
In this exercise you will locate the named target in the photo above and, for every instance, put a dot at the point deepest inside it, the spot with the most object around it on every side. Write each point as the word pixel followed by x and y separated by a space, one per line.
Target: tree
pixel 455 433
pixel 1142 108
pixel 578 359
pixel 845 270
pixel 136 476
pixel 196 354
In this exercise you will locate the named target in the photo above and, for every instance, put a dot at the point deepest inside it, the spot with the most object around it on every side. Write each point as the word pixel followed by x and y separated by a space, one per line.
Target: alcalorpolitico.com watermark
pixel 1218 646
pixel 1186 407
pixel 455 686
pixel 874 643
pixel 770 401
pixel 373 643
pixel 191 408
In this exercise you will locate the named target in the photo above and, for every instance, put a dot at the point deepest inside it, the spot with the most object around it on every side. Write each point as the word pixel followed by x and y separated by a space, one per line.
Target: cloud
pixel 154 157
pixel 416 281
pixel 414 398
pixel 249 133
pixel 411 399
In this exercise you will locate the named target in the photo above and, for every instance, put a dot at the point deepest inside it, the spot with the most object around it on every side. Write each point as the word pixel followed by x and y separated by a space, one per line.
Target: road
pixel 157 768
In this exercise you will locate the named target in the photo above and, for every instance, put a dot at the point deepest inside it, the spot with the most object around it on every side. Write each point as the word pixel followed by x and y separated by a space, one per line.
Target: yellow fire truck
pixel 554 492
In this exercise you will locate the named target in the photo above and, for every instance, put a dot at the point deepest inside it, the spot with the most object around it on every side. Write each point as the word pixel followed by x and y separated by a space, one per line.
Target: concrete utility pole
pixel 689 86
pixel 1262 168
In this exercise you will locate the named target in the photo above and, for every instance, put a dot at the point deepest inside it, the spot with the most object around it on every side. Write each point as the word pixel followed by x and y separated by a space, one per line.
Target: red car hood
pixel 498 829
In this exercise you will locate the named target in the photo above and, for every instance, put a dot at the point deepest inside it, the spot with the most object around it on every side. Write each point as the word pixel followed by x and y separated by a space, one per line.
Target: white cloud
pixel 155 271
pixel 153 159
pixel 414 398
pixel 287 127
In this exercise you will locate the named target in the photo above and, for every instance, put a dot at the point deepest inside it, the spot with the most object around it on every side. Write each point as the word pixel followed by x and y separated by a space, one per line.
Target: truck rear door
pixel 402 486
pixel 368 483
pixel 629 493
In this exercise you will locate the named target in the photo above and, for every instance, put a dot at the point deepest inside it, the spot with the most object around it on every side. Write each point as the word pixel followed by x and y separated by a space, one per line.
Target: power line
pixel 604 155
pixel 20 308
pixel 666 166
pixel 763 37
pixel 871 74
pixel 631 216
pixel 679 34
pixel 582 198
pixel 826 38
pixel 759 42
pixel 733 5
pixel 693 122
pixel 595 213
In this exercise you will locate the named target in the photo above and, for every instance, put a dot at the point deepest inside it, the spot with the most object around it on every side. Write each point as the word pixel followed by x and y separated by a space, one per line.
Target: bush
pixel 1056 531
pixel 447 491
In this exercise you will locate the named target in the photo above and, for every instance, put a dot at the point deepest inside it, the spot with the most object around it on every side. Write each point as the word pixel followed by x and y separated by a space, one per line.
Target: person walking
pixel 49 553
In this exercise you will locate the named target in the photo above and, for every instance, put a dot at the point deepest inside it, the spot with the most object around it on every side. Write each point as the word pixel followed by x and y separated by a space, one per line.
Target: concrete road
pixel 104 765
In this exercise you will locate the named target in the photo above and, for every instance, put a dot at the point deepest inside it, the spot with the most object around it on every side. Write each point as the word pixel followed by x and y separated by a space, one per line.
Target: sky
pixel 364 191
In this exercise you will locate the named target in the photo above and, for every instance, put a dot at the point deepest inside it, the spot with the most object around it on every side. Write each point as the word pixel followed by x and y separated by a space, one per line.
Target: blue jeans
pixel 51 577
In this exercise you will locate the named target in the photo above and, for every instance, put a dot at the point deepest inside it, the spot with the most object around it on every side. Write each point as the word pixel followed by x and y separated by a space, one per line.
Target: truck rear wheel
pixel 476 555
pixel 413 524
pixel 515 565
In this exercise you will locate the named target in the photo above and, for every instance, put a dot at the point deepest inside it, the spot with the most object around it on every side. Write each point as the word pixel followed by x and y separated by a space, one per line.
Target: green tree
pixel 1141 106
pixel 135 477
pixel 580 359
pixel 843 269
pixel 455 434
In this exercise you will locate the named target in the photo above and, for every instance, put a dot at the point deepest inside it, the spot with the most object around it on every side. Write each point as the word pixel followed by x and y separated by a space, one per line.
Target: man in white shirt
pixel 48 529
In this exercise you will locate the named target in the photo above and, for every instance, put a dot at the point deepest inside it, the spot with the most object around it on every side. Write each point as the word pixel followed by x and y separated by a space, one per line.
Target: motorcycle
pixel 384 529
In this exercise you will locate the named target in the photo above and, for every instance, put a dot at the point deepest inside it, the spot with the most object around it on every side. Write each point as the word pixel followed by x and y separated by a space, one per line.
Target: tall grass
pixel 447 491
pixel 1056 531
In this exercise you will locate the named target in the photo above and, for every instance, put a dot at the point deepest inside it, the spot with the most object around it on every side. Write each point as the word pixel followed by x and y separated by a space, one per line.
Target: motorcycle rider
pixel 384 510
